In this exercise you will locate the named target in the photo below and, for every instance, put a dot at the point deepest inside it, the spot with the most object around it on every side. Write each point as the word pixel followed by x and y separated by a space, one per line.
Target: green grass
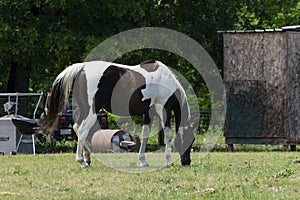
pixel 220 175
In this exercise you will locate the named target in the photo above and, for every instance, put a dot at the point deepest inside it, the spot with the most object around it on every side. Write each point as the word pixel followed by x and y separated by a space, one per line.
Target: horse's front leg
pixel 145 137
pixel 168 132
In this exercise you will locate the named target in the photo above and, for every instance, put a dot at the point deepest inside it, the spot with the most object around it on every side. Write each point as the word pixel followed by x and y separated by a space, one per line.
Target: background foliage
pixel 39 38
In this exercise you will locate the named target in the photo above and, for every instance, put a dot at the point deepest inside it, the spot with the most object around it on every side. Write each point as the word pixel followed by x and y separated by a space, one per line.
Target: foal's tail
pixel 59 94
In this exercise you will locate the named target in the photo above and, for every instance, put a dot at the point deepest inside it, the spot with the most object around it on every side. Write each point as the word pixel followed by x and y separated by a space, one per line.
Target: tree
pixel 39 38
pixel 263 14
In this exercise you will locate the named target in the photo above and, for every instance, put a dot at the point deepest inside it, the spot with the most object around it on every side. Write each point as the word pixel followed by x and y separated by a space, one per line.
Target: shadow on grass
pixel 48 145
pixel 241 148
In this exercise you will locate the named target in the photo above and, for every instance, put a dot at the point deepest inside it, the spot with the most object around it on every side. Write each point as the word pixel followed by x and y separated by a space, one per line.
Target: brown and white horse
pixel 145 89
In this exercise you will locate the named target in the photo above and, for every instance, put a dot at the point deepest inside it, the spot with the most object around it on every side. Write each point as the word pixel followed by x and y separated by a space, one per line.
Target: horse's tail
pixel 59 94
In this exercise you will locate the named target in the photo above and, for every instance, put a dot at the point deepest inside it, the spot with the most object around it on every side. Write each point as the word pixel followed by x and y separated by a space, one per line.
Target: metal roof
pixel 285 28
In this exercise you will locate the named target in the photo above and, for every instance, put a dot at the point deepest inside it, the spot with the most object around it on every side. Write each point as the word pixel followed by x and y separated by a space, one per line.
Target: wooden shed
pixel 262 81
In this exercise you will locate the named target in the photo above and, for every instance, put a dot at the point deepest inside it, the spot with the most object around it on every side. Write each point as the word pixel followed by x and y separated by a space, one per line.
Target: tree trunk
pixel 18 81
pixel 18 77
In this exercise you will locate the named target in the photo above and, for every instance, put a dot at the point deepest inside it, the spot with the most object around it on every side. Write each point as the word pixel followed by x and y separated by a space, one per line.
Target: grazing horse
pixel 147 89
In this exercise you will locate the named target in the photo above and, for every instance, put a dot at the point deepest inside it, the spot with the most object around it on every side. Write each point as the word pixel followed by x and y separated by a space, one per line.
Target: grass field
pixel 220 175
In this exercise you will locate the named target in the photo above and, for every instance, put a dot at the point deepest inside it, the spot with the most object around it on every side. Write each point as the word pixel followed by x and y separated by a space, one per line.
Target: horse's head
pixel 183 143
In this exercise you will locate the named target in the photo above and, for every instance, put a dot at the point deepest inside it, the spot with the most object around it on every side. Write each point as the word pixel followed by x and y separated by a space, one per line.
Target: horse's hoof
pixel 88 162
pixel 144 165
pixel 186 163
pixel 143 161
pixel 170 165
pixel 84 164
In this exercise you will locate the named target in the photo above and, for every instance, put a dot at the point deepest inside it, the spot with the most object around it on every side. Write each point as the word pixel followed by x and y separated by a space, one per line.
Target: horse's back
pixel 125 90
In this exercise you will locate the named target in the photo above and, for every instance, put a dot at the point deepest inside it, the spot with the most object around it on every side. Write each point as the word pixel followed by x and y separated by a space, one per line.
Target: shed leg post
pixel 230 147
pixel 293 147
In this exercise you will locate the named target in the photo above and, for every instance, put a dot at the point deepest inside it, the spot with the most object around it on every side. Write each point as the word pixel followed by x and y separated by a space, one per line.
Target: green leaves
pixel 48 35
pixel 259 14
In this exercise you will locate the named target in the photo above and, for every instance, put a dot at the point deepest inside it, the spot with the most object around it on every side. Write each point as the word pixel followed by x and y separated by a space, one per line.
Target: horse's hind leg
pixel 82 116
pixel 87 155
pixel 80 148
pixel 84 129
pixel 79 157
pixel 83 152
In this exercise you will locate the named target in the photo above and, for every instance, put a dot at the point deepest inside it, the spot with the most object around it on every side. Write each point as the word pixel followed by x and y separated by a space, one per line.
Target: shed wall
pixel 256 80
pixel 242 61
pixel 294 86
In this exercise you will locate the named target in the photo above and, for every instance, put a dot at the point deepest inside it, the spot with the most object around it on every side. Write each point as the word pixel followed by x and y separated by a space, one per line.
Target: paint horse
pixel 147 89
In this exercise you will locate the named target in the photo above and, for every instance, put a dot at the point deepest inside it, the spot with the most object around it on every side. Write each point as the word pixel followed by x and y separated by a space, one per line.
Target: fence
pixel 21 104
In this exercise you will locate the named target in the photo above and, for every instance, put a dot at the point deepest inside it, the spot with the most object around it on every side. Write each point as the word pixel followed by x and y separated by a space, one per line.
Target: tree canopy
pixel 39 38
